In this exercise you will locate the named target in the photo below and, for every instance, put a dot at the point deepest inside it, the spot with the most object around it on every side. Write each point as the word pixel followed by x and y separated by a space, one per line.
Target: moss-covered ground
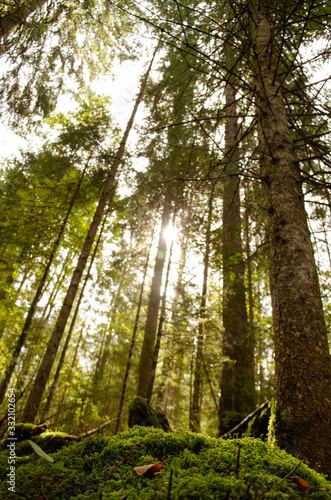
pixel 195 467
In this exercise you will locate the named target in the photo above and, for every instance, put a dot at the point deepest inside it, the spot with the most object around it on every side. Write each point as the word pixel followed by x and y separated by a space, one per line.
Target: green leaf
pixel 40 452
pixel 60 466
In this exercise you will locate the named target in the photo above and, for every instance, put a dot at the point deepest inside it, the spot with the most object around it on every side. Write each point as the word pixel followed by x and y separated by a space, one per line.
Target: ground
pixel 194 467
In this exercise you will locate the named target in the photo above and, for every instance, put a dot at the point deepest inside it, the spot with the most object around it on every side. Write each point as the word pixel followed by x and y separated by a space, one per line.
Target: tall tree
pixel 132 344
pixel 38 388
pixel 147 349
pixel 303 365
pixel 195 410
pixel 38 295
pixel 237 385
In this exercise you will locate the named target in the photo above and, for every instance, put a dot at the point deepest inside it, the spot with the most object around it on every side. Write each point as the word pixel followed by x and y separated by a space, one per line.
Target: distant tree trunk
pixel 38 294
pixel 147 350
pixel 159 329
pixel 72 325
pixel 237 385
pixel 17 16
pixel 62 275
pixel 302 359
pixel 168 389
pixel 38 388
pixel 195 407
pixel 132 344
pixel 72 367
pixel 99 374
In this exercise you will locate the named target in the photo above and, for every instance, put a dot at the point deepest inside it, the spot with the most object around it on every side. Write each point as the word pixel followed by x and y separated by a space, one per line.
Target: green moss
pixel 140 413
pixel 202 468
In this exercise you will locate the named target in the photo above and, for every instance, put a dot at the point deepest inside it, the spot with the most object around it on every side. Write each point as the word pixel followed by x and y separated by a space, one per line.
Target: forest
pixel 165 251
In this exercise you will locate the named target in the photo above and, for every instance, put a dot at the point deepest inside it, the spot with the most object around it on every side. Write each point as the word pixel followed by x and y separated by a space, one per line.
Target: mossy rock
pixel 140 413
pixel 200 467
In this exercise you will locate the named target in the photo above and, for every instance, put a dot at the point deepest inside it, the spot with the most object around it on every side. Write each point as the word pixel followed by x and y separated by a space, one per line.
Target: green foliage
pixel 201 467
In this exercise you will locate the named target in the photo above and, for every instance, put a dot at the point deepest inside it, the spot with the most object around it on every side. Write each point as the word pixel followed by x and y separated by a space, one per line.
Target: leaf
pixel 301 483
pixel 148 470
pixel 40 452
pixel 60 466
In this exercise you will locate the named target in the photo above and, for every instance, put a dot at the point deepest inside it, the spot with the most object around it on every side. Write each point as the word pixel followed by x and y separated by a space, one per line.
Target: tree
pixel 38 387
pixel 303 364
pixel 147 350
pixel 237 385
pixel 16 17
pixel 195 410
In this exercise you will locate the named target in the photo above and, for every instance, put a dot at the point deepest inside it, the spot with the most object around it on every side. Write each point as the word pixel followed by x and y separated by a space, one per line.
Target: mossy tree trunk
pixel 160 327
pixel 302 359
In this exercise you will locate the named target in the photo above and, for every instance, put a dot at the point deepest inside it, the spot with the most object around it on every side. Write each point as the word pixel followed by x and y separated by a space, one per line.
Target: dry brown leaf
pixel 301 483
pixel 148 470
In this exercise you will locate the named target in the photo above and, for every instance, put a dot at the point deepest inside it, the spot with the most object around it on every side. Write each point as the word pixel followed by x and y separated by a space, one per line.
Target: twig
pixel 238 460
pixel 170 484
pixel 92 431
pixel 246 419
pixel 291 472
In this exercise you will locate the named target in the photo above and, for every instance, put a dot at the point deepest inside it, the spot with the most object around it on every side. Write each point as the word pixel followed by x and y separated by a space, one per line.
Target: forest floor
pixel 148 463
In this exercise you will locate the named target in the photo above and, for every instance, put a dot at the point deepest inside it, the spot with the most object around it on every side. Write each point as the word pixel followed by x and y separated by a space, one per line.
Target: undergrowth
pixel 195 467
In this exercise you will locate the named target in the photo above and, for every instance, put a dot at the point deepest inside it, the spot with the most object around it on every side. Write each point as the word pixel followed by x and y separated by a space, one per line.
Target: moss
pixel 23 432
pixel 202 467
pixel 140 413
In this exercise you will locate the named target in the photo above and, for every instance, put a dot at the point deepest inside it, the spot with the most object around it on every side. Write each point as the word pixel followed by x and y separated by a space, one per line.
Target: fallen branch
pixel 246 419
pixel 93 431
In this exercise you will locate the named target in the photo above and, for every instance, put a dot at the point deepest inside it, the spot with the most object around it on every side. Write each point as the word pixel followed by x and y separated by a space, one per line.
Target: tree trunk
pixel 132 344
pixel 38 294
pixel 60 278
pixel 237 385
pixel 147 350
pixel 159 329
pixel 195 407
pixel 302 359
pixel 104 356
pixel 54 342
pixel 72 325
pixel 17 16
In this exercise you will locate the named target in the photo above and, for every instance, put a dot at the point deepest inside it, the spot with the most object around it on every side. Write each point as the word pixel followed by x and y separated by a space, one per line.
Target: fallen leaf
pixel 148 470
pixel 301 483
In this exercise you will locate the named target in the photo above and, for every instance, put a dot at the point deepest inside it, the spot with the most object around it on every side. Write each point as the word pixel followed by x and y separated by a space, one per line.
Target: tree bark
pixel 17 17
pixel 38 388
pixel 237 385
pixel 302 359
pixel 147 350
